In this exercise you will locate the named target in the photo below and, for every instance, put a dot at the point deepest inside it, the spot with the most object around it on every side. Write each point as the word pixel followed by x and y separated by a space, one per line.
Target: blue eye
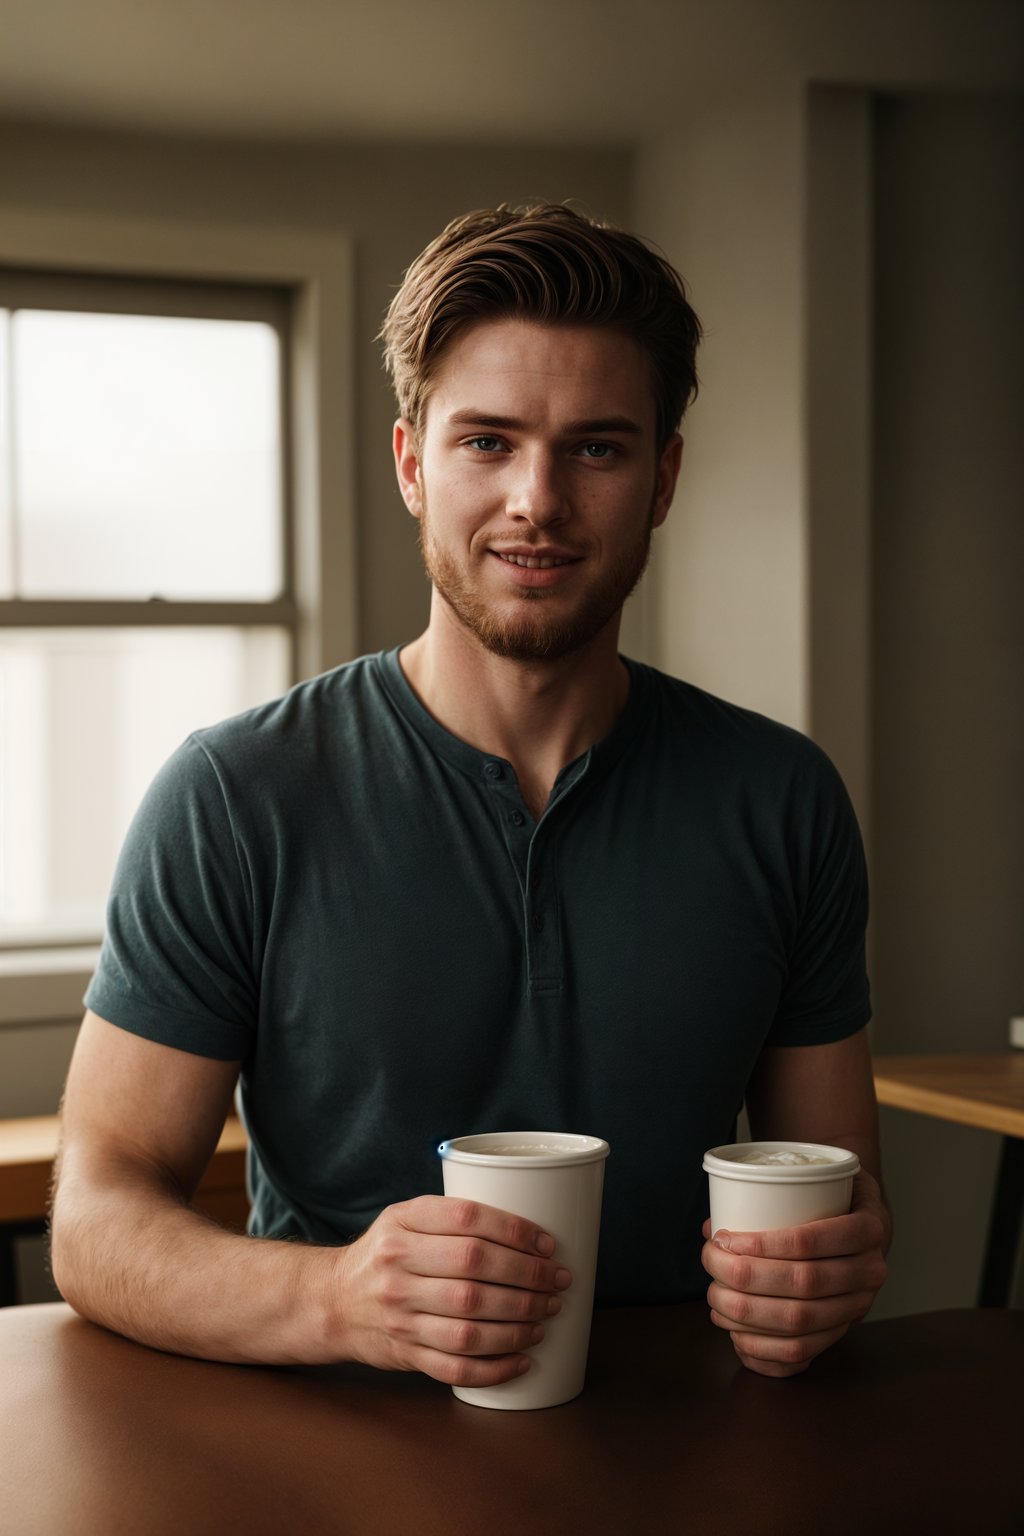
pixel 600 450
pixel 485 444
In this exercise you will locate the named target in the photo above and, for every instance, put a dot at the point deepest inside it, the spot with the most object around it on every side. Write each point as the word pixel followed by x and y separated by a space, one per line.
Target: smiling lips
pixel 537 562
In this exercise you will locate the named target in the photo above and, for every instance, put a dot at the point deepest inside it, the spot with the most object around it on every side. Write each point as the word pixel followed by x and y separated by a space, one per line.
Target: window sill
pixel 40 986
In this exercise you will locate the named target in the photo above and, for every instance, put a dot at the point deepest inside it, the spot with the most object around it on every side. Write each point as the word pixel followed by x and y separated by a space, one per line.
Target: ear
pixel 668 474
pixel 407 466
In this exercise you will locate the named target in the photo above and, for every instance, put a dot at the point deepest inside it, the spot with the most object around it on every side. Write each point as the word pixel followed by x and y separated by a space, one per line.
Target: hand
pixel 785 1296
pixel 451 1288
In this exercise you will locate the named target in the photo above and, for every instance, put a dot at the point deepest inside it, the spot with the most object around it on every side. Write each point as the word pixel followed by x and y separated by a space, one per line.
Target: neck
pixel 539 715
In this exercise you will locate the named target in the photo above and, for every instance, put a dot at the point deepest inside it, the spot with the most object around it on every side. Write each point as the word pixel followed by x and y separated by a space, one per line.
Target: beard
pixel 532 635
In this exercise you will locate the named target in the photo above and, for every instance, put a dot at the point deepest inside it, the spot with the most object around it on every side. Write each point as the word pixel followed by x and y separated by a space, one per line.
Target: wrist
pixel 318 1306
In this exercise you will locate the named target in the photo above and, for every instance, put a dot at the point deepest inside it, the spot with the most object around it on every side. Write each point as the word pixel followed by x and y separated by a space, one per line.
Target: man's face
pixel 537 482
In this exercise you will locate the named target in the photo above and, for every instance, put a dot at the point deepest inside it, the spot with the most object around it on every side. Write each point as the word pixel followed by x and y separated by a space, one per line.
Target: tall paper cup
pixel 556 1180
pixel 756 1186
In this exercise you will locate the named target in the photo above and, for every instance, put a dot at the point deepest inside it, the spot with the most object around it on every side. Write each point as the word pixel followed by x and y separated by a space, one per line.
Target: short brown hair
pixel 545 262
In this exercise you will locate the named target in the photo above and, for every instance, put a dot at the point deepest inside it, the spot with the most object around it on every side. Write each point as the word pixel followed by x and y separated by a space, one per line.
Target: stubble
pixel 531 634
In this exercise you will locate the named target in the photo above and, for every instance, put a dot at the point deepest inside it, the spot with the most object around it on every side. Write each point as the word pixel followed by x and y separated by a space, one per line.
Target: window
pixel 145 560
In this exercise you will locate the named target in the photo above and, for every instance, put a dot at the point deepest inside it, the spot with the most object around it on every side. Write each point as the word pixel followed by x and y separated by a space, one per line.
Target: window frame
pixel 80 292
pixel 312 272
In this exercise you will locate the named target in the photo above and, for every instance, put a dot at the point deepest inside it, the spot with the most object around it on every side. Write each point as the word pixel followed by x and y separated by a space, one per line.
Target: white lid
pixel 833 1162
pixel 525 1149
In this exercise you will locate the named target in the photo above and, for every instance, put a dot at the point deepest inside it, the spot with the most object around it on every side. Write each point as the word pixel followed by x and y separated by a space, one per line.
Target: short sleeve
pixel 826 995
pixel 177 961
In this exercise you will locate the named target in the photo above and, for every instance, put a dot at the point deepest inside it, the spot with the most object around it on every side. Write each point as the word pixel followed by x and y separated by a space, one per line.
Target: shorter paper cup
pixel 749 1196
pixel 556 1180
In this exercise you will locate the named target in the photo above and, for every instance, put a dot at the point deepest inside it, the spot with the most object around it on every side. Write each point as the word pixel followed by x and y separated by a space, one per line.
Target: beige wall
pixel 723 197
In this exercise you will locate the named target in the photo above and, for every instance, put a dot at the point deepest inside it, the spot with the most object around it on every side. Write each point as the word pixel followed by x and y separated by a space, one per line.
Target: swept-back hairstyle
pixel 550 264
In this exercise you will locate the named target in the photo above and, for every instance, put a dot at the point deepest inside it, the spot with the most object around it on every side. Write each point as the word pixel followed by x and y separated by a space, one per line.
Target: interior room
pixel 839 184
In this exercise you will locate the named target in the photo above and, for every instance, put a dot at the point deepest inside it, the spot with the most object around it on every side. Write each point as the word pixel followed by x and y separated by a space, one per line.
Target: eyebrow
pixel 579 428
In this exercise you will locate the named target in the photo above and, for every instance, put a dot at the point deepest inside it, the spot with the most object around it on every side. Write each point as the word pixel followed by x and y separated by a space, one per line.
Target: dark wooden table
pixel 912 1426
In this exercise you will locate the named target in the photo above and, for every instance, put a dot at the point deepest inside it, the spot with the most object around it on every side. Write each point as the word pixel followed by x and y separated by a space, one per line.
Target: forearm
pixel 130 1254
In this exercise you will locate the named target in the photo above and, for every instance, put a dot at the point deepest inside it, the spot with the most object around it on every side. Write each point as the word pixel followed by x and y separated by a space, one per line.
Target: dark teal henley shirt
pixel 359 908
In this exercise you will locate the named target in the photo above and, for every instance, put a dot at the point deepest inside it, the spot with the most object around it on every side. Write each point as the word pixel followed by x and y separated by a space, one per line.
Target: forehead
pixel 577 373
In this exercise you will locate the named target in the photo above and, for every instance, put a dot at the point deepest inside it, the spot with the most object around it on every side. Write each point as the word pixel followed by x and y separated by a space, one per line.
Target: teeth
pixel 532 563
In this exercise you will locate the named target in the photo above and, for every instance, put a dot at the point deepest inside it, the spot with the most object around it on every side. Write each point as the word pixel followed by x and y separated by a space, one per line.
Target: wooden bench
pixel 27 1149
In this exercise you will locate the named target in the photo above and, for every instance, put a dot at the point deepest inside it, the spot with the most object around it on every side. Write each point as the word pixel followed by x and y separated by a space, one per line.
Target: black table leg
pixel 8 1268
pixel 1004 1227
pixel 10 1231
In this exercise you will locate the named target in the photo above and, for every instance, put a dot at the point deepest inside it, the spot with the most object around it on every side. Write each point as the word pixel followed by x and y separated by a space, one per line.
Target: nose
pixel 536 494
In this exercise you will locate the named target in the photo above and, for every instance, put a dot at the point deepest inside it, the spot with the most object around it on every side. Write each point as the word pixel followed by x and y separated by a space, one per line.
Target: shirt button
pixel 492 770
pixel 517 818
pixel 538 922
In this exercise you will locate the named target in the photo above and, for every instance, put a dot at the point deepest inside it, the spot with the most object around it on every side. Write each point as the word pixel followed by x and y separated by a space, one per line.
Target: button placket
pixel 540 916
pixel 531 849
pixel 516 828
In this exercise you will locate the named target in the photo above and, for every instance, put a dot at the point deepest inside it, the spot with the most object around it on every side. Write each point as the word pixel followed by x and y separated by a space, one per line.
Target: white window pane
pixel 147 457
pixel 86 718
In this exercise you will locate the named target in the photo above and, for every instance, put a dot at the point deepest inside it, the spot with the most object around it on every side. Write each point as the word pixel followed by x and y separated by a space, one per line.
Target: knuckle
pixel 801 1243
pixel 741 1309
pixel 804 1281
pixel 466 1298
pixel 797 1318
pixel 458 1371
pixel 390 1291
pixel 465 1338
pixel 516 1233
pixel 540 1276
pixel 742 1275
pixel 472 1257
pixel 792 1351
pixel 390 1249
pixel 463 1214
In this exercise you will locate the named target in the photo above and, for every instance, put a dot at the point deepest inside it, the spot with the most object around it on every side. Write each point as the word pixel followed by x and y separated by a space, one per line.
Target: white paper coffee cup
pixel 757 1186
pixel 555 1179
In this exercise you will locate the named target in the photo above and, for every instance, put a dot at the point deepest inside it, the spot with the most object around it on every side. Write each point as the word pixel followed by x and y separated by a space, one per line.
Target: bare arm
pixel 785 1296
pixel 447 1287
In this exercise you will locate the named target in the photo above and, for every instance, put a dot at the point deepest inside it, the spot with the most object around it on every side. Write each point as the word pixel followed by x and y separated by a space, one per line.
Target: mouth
pixel 536 562
pixel 536 571
pixel 533 561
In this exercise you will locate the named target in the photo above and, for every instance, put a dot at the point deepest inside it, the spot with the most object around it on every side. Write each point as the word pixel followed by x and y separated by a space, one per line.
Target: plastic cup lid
pixel 829 1162
pixel 525 1149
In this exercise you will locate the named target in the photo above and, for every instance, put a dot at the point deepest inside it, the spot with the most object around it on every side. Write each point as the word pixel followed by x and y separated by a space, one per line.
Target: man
pixel 501 878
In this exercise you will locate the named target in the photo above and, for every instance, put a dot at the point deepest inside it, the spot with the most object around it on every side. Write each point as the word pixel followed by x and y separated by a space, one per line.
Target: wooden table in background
pixel 985 1091
pixel 27 1149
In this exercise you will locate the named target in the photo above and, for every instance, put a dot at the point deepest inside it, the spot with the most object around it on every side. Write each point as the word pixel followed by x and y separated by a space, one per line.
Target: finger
pixel 832 1237
pixel 484 1303
pixel 466 1370
pixel 461 1336
pixel 443 1215
pixel 487 1263
pixel 805 1279
pixel 770 1355
pixel 785 1318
